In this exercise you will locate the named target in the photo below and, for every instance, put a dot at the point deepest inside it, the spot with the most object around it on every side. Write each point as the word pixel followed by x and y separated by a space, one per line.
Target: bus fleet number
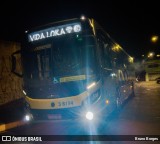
pixel 65 103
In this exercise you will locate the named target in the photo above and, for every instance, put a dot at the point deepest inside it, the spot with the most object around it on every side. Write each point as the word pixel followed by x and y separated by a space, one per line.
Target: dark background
pixel 131 23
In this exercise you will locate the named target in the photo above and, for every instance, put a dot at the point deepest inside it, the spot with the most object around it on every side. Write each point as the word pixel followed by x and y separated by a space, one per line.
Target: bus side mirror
pixel 14 63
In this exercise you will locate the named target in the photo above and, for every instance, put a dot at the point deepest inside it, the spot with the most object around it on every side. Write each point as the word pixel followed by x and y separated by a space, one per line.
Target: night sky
pixel 131 23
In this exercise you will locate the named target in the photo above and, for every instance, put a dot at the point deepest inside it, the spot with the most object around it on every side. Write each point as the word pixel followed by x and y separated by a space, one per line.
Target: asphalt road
pixel 139 116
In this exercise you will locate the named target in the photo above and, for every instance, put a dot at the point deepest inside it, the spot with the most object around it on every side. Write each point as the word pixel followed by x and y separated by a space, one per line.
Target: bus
pixel 73 68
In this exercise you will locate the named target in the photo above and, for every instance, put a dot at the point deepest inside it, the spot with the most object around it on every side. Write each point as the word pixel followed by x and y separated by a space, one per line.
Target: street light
pixel 154 38
pixel 151 55
pixel 131 59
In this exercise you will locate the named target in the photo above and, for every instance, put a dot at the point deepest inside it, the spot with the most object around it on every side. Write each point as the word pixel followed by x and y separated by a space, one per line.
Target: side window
pixel 104 50
pixel 120 75
pixel 43 61
pixel 107 60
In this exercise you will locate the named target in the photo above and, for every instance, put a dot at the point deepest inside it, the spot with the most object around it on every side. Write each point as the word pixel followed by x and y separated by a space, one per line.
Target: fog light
pixel 89 115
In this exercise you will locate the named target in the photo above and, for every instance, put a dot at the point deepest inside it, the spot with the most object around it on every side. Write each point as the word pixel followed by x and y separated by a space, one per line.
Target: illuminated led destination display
pixel 54 31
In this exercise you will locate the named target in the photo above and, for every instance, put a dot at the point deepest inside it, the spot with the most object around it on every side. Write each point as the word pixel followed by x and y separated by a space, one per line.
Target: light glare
pixel 91 85
pixel 89 115
pixel 27 118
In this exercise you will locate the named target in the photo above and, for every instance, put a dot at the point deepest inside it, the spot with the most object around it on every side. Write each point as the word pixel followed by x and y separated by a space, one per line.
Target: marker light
pixel 24 92
pixel 83 17
pixel 107 101
pixel 89 115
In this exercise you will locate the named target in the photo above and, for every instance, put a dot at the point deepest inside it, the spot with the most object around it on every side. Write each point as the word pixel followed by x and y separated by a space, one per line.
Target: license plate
pixel 54 116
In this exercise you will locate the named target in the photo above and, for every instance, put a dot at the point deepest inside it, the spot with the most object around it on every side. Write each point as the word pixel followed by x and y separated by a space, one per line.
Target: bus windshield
pixel 61 58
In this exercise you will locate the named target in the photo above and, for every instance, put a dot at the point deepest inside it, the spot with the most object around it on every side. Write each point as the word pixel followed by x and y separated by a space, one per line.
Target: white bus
pixel 73 68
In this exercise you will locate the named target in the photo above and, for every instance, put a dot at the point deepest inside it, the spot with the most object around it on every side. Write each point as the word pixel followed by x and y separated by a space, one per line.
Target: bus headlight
pixel 89 115
pixel 28 117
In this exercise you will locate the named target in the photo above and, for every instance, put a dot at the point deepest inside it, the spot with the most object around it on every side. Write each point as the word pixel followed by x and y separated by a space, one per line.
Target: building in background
pixel 152 69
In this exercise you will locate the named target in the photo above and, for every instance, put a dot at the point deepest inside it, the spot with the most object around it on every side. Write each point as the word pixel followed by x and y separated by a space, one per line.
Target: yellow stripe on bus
pixel 73 78
pixel 59 103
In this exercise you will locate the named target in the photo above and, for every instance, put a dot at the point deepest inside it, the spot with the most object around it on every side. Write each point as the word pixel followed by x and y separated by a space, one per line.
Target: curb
pixel 4 127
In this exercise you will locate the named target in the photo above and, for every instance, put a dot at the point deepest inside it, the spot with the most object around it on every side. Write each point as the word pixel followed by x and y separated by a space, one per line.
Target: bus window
pixel 120 75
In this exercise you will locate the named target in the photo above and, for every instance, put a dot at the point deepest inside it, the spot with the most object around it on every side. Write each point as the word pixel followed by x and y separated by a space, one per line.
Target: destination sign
pixel 54 31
